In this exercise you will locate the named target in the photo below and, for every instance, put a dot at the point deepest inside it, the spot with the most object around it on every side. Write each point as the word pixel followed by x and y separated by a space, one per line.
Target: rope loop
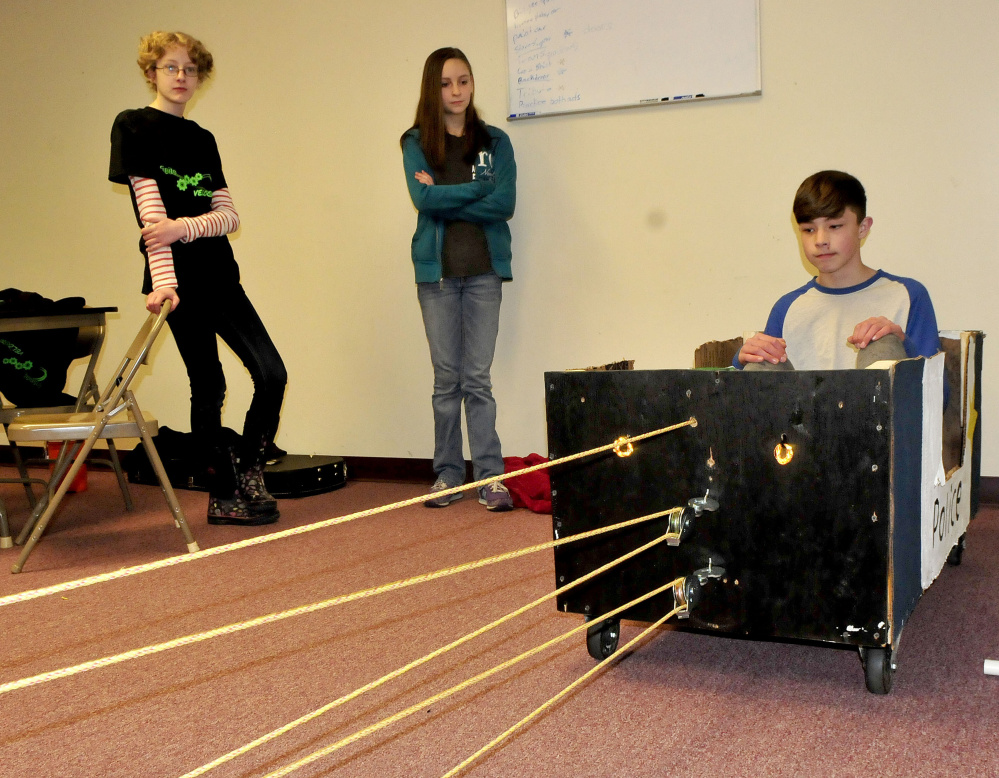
pixel 623 447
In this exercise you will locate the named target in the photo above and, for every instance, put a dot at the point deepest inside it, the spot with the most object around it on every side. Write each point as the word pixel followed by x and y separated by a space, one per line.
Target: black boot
pixel 235 510
pixel 250 482
pixel 226 502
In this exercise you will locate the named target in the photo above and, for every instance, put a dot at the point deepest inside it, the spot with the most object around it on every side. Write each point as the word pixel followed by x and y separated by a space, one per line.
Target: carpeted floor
pixel 684 704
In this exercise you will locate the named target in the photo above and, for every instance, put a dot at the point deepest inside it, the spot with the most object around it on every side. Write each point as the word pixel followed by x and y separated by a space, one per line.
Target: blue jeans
pixel 461 318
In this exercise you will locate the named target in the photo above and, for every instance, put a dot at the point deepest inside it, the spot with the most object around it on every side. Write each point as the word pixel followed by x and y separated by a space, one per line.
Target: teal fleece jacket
pixel 488 200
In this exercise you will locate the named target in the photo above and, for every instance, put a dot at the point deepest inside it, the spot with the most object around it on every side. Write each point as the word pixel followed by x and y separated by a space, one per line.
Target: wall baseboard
pixel 397 469
pixel 989 494
pixel 421 471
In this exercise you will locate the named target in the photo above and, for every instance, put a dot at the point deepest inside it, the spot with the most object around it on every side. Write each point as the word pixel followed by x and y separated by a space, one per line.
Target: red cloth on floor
pixel 533 490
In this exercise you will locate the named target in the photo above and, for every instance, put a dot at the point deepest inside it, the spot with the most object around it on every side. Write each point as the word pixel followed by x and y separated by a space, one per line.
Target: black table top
pixel 8 314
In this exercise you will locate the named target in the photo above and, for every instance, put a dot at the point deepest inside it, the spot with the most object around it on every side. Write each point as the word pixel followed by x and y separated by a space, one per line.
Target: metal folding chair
pixel 89 340
pixel 116 414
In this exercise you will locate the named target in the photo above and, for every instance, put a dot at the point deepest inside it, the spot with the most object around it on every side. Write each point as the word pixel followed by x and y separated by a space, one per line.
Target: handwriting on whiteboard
pixel 544 52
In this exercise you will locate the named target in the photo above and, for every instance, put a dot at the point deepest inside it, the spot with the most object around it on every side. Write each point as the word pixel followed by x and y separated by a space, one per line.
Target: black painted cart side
pixel 825 547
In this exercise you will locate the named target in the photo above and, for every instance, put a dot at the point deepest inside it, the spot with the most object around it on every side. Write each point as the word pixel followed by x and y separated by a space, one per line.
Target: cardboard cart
pixel 820 504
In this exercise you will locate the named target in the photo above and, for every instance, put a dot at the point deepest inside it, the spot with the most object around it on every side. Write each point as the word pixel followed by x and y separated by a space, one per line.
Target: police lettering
pixel 947 515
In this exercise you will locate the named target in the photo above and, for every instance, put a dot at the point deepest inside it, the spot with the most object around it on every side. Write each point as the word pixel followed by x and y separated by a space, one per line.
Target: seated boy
pixel 850 315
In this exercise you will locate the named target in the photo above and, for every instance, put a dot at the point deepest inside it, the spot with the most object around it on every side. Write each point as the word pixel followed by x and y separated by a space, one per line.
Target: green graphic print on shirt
pixel 185 181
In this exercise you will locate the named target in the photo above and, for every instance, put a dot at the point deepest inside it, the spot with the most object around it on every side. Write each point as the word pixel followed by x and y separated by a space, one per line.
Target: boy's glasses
pixel 191 71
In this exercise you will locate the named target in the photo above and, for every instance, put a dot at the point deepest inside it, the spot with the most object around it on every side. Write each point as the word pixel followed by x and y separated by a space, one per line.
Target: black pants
pixel 230 315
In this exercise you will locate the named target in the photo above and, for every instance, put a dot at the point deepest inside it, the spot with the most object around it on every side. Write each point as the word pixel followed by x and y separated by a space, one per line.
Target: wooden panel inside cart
pixel 810 548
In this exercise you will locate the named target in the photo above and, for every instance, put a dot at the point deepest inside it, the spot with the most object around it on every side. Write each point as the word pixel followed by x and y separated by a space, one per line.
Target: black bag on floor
pixel 290 475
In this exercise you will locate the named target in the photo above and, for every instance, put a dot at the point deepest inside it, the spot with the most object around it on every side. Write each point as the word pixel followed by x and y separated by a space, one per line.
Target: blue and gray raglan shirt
pixel 815 321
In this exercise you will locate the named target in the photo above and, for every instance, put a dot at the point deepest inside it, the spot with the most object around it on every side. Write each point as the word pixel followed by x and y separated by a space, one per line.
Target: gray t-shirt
pixel 466 252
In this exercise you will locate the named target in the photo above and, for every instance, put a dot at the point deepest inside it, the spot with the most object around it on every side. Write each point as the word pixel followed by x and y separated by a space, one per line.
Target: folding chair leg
pixel 64 483
pixel 122 483
pixel 65 455
pixel 165 487
pixel 41 503
pixel 5 541
pixel 61 465
pixel 23 472
pixel 36 513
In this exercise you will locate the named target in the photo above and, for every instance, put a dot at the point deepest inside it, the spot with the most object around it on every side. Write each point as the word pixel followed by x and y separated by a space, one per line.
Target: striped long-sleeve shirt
pixel 222 219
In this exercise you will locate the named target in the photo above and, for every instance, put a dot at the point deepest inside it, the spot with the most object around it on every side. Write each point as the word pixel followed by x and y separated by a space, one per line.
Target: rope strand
pixel 209 552
pixel 542 708
pixel 458 687
pixel 229 629
pixel 424 659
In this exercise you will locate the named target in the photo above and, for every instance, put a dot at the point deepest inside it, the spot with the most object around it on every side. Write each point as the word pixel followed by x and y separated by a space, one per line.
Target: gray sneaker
pixel 442 502
pixel 496 497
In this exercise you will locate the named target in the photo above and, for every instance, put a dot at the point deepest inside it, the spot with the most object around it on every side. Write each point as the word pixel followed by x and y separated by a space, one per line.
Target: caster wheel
pixel 601 638
pixel 954 557
pixel 878 669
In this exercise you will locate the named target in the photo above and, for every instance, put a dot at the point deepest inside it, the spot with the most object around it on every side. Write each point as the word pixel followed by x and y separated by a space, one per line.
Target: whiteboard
pixel 585 55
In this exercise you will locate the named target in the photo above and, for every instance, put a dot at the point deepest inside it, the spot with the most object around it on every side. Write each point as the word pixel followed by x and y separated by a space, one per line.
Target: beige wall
pixel 639 233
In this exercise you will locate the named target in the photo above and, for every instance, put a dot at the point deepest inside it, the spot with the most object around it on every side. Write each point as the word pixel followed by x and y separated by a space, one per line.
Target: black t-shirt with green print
pixel 184 161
